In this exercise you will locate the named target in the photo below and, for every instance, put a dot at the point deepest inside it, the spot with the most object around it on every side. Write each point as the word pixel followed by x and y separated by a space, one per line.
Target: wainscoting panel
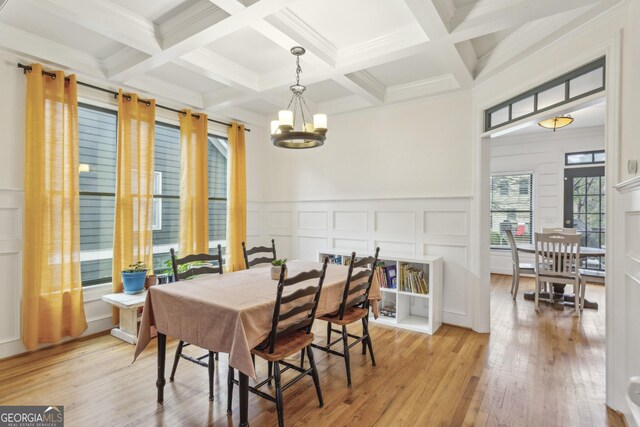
pixel 632 245
pixel 434 226
pixel 312 220
pixel 445 223
pixel 350 221
pixel 395 222
pixel 11 266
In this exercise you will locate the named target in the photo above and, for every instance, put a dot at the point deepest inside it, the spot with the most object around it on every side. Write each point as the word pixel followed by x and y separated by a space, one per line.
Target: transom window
pixel 584 158
pixel 579 83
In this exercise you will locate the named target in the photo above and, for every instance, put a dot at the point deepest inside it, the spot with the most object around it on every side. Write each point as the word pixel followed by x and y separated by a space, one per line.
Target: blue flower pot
pixel 133 282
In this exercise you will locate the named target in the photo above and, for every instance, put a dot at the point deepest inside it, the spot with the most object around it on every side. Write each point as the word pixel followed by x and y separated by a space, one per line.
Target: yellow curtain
pixel 134 187
pixel 194 186
pixel 52 305
pixel 236 198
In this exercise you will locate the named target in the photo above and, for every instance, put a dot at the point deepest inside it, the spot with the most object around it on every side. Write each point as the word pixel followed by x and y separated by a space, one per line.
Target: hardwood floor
pixel 542 369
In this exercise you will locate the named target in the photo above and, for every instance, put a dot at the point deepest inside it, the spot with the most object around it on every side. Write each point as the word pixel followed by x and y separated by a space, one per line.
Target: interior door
pixel 584 208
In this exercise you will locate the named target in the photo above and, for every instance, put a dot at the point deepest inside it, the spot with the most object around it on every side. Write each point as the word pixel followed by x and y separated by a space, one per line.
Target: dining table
pixel 230 313
pixel 560 298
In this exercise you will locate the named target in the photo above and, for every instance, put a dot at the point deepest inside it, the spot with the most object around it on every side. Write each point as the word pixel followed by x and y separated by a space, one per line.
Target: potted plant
pixel 276 267
pixel 134 277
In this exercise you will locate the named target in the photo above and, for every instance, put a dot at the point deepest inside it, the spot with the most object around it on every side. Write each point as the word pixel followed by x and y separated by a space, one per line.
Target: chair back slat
pixel 306 309
pixel 196 270
pixel 261 260
pixel 300 293
pixel 515 257
pixel 364 262
pixel 360 275
pixel 557 253
pixel 258 250
pixel 364 300
pixel 361 287
pixel 296 310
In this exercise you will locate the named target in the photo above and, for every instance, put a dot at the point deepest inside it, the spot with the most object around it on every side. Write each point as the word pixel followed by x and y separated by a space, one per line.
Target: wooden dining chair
pixel 259 250
pixel 517 267
pixel 353 307
pixel 559 230
pixel 196 265
pixel 291 326
pixel 558 261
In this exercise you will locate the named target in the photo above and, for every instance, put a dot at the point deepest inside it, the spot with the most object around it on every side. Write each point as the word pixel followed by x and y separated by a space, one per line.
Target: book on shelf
pixel 413 280
pixel 386 275
pixel 388 310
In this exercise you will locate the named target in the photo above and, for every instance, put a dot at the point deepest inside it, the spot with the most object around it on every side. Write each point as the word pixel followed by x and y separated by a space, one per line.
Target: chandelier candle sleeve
pixel 320 121
pixel 285 118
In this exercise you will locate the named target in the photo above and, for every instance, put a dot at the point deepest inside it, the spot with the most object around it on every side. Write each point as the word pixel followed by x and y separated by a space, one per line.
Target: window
pixel 584 158
pixel 97 157
pixel 581 82
pixel 511 208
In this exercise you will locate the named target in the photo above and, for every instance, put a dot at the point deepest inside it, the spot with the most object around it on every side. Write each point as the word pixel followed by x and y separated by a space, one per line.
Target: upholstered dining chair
pixel 259 250
pixel 291 326
pixel 517 267
pixel 558 261
pixel 354 307
pixel 195 265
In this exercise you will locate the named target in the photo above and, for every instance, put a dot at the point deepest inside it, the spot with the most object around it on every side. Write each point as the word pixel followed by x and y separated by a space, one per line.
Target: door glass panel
pixel 593 185
pixel 579 185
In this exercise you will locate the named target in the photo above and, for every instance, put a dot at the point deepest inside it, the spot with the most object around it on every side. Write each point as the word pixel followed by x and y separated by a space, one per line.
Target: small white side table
pixel 128 305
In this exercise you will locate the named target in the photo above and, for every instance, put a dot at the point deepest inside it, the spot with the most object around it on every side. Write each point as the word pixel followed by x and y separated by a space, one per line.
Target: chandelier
pixel 556 122
pixel 294 127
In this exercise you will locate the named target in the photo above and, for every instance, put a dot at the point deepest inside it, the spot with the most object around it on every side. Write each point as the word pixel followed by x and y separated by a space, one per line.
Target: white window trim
pixel 157 203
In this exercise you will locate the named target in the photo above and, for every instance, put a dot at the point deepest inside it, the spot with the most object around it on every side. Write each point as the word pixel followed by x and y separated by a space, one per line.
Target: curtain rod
pixel 27 68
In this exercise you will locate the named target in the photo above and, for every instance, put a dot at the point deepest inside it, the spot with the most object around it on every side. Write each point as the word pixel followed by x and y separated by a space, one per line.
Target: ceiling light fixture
pixel 294 129
pixel 556 122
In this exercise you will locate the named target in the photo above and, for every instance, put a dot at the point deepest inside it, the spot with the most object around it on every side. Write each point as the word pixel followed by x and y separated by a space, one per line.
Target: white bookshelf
pixel 413 311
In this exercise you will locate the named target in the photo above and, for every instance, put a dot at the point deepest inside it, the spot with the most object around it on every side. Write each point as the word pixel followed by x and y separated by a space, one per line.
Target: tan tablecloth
pixel 231 313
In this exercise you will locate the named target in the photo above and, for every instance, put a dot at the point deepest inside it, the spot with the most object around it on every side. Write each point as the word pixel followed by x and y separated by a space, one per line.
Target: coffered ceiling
pixel 231 57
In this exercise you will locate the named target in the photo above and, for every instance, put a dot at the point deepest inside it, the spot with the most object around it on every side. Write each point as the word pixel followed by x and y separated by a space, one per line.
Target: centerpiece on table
pixel 134 277
pixel 276 267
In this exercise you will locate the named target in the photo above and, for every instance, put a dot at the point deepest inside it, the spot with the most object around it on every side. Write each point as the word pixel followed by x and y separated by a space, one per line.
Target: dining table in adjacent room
pixel 559 296
pixel 230 313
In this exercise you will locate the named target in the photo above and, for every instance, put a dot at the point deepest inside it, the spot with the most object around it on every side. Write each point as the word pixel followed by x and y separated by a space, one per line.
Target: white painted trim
pixel 628 185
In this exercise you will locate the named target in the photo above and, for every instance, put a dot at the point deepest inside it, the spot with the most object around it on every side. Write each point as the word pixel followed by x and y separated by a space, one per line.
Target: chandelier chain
pixel 298 69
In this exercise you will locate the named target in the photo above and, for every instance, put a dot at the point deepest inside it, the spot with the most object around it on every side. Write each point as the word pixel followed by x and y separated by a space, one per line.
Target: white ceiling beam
pixel 107 19
pixel 490 16
pixel 219 68
pixel 174 48
pixel 364 85
pixel 431 21
pixel 527 40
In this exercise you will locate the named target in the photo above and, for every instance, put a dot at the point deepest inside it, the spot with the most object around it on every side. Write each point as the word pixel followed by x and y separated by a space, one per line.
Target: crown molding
pixel 422 88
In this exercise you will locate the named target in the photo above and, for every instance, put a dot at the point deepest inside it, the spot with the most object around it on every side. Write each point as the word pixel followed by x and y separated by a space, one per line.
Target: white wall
pixel 541 154
pixel 12 112
pixel 417 149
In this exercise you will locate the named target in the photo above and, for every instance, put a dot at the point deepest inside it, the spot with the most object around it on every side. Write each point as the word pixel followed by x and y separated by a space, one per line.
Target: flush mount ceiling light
pixel 556 122
pixel 294 128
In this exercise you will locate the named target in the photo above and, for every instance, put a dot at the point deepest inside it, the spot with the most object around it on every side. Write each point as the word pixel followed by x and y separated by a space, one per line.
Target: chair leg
pixel 537 299
pixel 513 279
pixel 176 359
pixel 328 334
pixel 270 373
pixel 212 368
pixel 302 358
pixel 314 374
pixel 516 283
pixel 276 375
pixel 217 354
pixel 347 362
pixel 365 326
pixel 230 378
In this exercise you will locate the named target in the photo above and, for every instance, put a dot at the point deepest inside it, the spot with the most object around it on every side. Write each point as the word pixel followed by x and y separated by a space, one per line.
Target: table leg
pixel 244 399
pixel 162 351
